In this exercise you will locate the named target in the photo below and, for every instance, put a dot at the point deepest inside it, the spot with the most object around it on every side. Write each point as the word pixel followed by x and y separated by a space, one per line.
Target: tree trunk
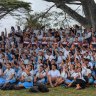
pixel 86 12
pixel 82 20
pixel 92 10
pixel 89 7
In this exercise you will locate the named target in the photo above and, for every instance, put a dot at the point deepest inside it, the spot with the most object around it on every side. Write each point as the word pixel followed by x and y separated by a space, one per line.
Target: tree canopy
pixel 9 6
pixel 89 8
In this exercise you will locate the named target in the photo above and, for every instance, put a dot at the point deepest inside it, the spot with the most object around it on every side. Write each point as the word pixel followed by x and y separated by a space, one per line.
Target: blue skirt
pixel 3 81
pixel 42 81
pixel 68 81
pixel 26 84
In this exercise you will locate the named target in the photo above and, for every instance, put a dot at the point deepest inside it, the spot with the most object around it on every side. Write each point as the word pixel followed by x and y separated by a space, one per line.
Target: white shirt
pixel 28 77
pixel 90 65
pixel 78 57
pixel 74 74
pixel 60 59
pixel 1 72
pixel 80 76
pixel 26 61
pixel 88 35
pixel 64 75
pixel 8 73
pixel 0 55
pixel 88 72
pixel 85 71
pixel 40 37
pixel 1 60
pixel 54 73
pixel 66 53
pixel 41 73
pixel 50 57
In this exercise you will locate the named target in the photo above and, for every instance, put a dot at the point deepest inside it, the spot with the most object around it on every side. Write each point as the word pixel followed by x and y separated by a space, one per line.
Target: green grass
pixel 59 91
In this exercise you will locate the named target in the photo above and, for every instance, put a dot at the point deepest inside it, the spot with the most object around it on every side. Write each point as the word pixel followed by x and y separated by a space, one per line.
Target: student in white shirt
pixel 26 79
pixel 66 51
pixel 49 56
pixel 87 73
pixel 40 76
pixel 60 57
pixel 63 76
pixel 53 74
pixel 9 74
pixel 79 80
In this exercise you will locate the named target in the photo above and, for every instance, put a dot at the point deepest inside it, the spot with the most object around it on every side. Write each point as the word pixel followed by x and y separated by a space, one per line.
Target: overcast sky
pixel 37 6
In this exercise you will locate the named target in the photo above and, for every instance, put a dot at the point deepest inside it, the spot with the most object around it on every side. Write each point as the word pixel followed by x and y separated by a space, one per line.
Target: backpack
pixel 7 86
pixel 34 89
pixel 39 88
pixel 43 88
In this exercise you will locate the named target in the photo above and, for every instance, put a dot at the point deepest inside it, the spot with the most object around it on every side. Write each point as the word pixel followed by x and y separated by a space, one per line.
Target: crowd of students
pixel 64 56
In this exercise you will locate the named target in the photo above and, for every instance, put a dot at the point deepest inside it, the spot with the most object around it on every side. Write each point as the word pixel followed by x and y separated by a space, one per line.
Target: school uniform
pixel 28 81
pixel 41 80
pixel 6 78
pixel 54 73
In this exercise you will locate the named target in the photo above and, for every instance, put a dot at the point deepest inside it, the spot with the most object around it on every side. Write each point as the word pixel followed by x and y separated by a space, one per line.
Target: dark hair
pixel 80 68
pixel 32 66
pixel 9 63
pixel 0 65
pixel 42 66
pixel 41 60
pixel 54 65
pixel 45 65
pixel 64 61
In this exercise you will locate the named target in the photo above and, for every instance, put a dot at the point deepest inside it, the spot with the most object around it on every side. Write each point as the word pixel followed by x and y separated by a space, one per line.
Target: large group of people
pixel 52 56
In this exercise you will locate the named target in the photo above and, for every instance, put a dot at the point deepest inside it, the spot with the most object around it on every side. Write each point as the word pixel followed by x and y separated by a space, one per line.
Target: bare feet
pixel 78 88
pixel 94 85
pixel 70 85
pixel 55 84
pixel 52 85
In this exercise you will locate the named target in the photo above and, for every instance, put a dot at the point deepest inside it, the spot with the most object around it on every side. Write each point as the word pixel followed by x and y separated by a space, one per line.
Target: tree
pixel 55 19
pixel 46 18
pixel 32 20
pixel 9 6
pixel 89 8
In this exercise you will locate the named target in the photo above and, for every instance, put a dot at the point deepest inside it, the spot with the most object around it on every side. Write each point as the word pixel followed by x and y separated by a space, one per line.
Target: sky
pixel 37 6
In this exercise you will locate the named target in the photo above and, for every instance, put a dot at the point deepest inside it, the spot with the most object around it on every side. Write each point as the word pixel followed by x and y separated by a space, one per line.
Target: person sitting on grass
pixel 8 76
pixel 79 80
pixel 63 76
pixel 26 79
pixel 53 74
pixel 40 76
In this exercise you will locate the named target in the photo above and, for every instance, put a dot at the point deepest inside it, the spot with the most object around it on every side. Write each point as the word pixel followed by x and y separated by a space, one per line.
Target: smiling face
pixel 39 61
pixel 41 69
pixel 52 62
pixel 29 67
pixel 8 66
pixel 53 67
pixel 60 53
pixel 76 39
pixel 79 69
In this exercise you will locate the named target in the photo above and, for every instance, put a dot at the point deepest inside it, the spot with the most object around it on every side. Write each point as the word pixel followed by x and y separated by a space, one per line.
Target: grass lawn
pixel 58 91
